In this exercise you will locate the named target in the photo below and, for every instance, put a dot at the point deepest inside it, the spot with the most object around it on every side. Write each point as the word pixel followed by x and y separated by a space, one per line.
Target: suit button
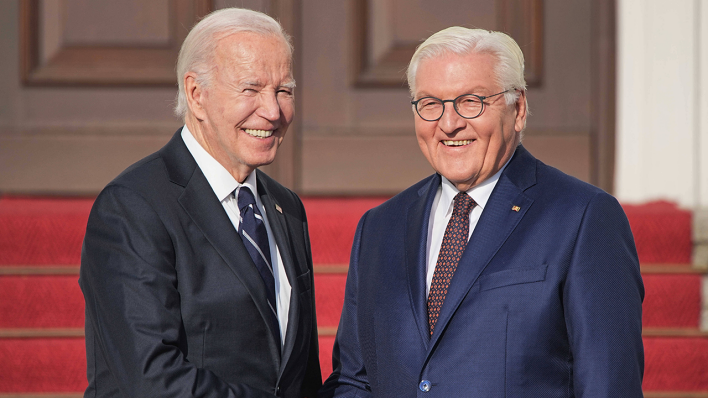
pixel 425 386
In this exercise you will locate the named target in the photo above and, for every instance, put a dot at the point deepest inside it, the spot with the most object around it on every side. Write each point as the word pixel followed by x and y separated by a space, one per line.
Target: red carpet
pixel 675 364
pixel 50 231
pixel 329 298
pixel 42 365
pixel 59 364
pixel 662 232
pixel 44 232
pixel 671 301
pixel 326 344
pixel 41 301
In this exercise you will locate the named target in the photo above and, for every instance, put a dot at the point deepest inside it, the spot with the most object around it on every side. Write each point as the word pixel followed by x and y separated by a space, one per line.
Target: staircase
pixel 42 351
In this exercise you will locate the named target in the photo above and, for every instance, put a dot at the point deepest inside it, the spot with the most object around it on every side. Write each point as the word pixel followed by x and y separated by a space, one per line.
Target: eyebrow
pixel 477 90
pixel 256 83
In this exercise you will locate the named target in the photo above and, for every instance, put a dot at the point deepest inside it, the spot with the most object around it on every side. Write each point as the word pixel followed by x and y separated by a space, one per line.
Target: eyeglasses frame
pixel 454 104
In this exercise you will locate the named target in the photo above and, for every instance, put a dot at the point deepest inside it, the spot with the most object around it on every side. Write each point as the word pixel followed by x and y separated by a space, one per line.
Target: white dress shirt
pixel 441 211
pixel 223 184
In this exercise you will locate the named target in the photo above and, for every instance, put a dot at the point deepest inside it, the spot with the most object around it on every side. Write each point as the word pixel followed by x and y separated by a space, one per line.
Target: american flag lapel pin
pixel 516 208
pixel 277 207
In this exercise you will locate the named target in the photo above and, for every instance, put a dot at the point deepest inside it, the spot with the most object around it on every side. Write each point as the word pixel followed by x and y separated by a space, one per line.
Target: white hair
pixel 197 51
pixel 509 69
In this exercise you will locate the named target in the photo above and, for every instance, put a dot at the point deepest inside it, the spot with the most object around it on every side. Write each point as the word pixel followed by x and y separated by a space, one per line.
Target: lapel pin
pixel 277 207
pixel 516 208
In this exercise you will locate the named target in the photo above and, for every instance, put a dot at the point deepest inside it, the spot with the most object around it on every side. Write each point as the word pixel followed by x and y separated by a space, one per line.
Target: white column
pixel 660 112
pixel 702 128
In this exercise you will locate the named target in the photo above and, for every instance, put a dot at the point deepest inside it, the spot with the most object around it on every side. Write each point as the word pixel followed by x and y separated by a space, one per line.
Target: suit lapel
pixel 208 214
pixel 278 225
pixel 416 237
pixel 505 208
pixel 200 203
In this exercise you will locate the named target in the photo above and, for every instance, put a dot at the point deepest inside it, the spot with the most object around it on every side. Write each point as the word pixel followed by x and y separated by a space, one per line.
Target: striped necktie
pixel 453 245
pixel 255 237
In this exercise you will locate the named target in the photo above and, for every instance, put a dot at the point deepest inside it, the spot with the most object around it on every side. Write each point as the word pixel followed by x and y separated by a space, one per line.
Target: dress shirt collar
pixel 479 193
pixel 220 180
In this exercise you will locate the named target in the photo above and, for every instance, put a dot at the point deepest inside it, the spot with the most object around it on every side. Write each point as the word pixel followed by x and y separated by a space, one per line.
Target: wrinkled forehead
pixel 260 60
pixel 247 43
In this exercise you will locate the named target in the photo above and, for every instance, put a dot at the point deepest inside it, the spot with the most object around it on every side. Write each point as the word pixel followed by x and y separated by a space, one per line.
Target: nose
pixel 450 121
pixel 269 108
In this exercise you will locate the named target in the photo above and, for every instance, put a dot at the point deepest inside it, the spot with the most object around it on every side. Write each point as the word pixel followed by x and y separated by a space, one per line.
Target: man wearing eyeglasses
pixel 498 276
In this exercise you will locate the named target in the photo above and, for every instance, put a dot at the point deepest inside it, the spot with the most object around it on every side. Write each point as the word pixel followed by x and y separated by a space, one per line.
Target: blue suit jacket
pixel 546 300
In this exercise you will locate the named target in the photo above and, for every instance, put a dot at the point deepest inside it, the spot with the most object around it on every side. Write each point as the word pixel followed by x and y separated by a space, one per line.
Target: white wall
pixel 662 99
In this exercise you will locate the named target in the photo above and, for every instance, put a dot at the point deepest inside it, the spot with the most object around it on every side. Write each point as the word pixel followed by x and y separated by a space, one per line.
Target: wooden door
pixel 94 87
pixel 356 122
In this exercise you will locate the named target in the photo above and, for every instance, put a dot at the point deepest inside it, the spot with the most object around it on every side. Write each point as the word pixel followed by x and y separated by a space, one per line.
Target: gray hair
pixel 509 69
pixel 198 48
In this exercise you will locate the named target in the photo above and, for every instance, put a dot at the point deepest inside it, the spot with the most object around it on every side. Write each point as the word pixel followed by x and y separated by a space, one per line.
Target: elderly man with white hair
pixel 497 276
pixel 196 267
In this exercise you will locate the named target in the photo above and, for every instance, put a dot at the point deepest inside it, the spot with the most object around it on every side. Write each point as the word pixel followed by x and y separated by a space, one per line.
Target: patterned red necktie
pixel 453 244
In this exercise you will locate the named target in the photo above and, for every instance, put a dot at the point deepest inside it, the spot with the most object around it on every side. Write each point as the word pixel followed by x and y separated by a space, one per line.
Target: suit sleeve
pixel 313 375
pixel 349 378
pixel 133 306
pixel 602 298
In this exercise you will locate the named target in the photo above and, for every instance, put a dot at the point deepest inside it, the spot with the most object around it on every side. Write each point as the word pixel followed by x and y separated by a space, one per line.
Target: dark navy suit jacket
pixel 546 300
pixel 175 306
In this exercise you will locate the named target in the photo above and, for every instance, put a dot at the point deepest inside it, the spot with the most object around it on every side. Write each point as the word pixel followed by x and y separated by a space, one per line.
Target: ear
pixel 521 112
pixel 195 95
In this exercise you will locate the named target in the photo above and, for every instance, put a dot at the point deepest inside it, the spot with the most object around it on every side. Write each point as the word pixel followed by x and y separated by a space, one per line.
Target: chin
pixel 265 162
pixel 467 179
pixel 455 175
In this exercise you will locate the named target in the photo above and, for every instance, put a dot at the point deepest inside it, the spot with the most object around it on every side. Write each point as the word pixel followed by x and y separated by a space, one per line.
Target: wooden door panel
pixel 353 132
pixel 357 123
pixel 88 43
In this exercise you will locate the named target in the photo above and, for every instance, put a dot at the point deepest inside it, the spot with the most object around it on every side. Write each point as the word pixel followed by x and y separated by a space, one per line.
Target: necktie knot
pixel 463 204
pixel 245 198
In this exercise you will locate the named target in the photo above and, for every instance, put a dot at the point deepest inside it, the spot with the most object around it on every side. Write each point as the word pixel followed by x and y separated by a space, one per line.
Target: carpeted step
pixel 326 344
pixel 329 297
pixel 42 231
pixel 55 301
pixel 49 231
pixel 58 364
pixel 672 300
pixel 38 234
pixel 662 232
pixel 332 223
pixel 41 301
pixel 42 365
pixel 675 364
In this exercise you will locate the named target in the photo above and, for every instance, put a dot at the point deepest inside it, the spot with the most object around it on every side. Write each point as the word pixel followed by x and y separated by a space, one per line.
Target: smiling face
pixel 243 113
pixel 467 151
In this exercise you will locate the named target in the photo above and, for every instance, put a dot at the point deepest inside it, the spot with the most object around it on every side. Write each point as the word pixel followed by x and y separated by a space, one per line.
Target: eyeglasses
pixel 469 106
